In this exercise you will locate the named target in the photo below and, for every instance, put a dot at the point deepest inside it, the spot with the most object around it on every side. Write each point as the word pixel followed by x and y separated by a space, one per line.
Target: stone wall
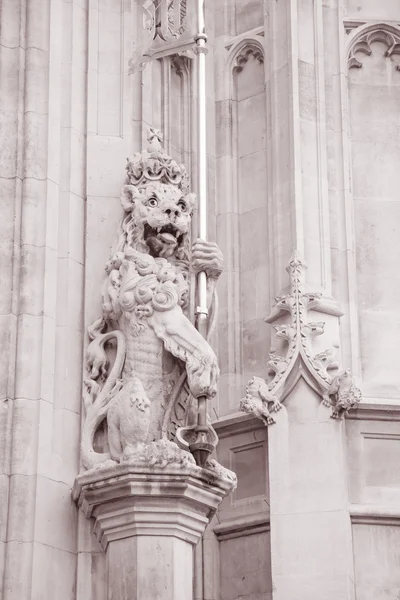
pixel 373 453
pixel 43 83
pixel 303 140
pixel 374 96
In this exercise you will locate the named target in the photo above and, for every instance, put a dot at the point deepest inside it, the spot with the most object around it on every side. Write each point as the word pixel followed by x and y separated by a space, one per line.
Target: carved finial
pixel 297 257
pixel 296 263
pixel 155 139
pixel 297 270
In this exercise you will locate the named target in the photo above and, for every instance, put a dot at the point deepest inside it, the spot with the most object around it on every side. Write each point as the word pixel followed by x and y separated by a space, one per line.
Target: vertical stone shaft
pixel 147 567
pixel 296 110
pixel 311 542
pixel 308 481
pixel 41 170
pixel 29 168
pixel 12 85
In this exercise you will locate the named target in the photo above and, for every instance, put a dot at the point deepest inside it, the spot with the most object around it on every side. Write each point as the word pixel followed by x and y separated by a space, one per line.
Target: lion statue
pixel 342 394
pixel 257 401
pixel 161 361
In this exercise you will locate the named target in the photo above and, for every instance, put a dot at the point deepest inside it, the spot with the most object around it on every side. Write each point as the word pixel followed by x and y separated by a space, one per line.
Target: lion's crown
pixel 154 164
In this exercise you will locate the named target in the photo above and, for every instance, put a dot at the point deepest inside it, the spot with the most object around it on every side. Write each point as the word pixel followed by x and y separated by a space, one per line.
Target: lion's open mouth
pixel 168 233
pixel 162 239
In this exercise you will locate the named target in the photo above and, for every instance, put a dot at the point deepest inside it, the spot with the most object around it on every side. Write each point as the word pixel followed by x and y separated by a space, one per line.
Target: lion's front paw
pixel 326 401
pixel 276 406
pixel 207 257
pixel 268 420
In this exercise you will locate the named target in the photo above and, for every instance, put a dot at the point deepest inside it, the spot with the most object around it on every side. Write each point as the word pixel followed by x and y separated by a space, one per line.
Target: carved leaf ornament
pixel 262 397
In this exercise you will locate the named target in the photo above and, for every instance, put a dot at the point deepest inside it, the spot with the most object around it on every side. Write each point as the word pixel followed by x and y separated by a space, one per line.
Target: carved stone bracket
pixel 385 34
pixel 263 398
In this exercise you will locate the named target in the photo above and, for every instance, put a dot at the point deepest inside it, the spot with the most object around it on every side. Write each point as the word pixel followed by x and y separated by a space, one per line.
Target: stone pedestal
pixel 148 521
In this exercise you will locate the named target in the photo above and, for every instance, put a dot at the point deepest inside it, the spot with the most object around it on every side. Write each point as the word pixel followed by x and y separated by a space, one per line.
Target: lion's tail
pixel 97 410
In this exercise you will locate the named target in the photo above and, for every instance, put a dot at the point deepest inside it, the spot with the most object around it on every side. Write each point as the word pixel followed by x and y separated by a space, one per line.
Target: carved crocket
pixel 145 297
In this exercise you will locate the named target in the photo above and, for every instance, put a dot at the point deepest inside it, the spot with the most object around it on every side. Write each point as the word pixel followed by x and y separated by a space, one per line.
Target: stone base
pixel 147 521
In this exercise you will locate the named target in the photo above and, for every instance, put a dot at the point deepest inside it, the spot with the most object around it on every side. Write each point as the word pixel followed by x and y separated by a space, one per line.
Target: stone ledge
pixel 370 514
pixel 371 411
pixel 242 526
pixel 235 423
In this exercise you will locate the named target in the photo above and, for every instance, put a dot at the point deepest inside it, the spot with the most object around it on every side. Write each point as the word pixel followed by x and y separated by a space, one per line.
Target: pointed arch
pixel 362 38
pixel 240 53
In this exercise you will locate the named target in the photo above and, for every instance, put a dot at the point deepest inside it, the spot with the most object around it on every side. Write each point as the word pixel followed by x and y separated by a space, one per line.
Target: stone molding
pixel 374 411
pixel 351 24
pixel 365 35
pixel 242 526
pixel 251 35
pixel 370 514
pixel 235 424
pixel 126 502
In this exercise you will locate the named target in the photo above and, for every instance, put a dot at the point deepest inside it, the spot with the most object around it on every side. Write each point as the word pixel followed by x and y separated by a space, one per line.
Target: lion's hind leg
pixel 114 434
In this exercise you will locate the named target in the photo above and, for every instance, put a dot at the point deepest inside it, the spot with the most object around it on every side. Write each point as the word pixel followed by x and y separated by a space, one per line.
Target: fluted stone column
pixel 148 521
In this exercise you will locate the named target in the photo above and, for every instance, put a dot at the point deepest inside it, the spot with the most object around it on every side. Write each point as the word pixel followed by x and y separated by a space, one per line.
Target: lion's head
pixel 158 219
